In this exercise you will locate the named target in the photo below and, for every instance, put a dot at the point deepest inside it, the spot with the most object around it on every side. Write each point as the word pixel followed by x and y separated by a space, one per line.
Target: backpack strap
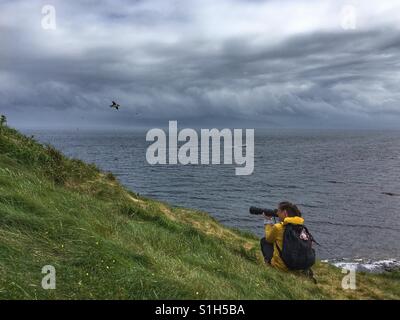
pixel 276 243
pixel 312 238
pixel 279 249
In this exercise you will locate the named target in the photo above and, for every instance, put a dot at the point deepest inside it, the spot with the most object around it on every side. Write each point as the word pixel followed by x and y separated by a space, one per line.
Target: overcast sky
pixel 201 62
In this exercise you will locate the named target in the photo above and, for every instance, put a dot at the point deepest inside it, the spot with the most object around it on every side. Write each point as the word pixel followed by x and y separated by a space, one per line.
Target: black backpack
pixel 297 252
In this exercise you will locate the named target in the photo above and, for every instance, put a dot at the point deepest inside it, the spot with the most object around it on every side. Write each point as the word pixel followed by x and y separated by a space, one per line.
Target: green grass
pixel 108 243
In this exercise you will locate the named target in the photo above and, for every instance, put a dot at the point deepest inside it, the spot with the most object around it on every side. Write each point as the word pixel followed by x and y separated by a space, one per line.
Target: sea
pixel 346 183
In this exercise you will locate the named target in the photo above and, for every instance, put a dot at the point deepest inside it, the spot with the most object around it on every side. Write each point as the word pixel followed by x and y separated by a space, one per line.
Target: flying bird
pixel 114 105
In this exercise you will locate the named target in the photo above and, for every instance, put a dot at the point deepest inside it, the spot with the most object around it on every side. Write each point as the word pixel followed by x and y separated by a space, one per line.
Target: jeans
pixel 267 250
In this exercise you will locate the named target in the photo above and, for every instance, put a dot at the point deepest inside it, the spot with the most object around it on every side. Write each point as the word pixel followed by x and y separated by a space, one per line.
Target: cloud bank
pixel 201 62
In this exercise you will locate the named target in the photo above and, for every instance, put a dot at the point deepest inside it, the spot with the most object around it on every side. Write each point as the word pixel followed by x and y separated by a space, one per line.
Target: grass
pixel 108 243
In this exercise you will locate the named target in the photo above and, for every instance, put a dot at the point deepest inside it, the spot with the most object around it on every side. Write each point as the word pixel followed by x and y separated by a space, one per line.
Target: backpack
pixel 297 252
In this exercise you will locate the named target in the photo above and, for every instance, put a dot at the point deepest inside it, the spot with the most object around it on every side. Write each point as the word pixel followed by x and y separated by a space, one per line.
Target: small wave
pixel 334 181
pixel 391 194
pixel 308 205
pixel 339 224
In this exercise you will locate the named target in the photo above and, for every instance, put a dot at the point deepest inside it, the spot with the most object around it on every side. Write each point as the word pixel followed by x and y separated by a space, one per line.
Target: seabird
pixel 114 105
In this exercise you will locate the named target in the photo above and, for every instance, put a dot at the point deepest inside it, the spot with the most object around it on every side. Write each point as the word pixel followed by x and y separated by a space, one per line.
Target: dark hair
pixel 290 208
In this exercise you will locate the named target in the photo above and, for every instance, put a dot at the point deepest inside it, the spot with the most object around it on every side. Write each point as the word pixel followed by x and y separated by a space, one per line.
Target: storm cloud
pixel 201 62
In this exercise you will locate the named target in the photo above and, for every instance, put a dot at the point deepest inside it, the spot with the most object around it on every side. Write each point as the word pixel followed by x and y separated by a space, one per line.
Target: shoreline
pixel 366 265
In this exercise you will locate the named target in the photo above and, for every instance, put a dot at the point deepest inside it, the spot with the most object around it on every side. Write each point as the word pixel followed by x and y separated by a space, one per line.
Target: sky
pixel 204 63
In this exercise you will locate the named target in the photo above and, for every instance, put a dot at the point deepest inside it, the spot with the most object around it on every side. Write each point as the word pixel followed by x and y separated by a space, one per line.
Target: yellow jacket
pixel 274 235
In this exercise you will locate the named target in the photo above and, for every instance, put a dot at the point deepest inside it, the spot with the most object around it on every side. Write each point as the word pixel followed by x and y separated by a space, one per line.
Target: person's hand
pixel 267 217
pixel 268 220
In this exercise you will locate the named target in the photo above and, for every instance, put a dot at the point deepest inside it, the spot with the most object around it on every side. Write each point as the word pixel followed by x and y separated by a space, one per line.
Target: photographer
pixel 272 243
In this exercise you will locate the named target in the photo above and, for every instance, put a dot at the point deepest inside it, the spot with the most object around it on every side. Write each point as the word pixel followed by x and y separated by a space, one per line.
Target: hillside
pixel 108 243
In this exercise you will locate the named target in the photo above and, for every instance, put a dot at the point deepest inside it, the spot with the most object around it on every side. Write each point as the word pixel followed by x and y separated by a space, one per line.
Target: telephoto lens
pixel 267 212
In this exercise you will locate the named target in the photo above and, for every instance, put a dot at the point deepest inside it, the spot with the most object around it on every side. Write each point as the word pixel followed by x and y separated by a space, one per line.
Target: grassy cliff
pixel 107 242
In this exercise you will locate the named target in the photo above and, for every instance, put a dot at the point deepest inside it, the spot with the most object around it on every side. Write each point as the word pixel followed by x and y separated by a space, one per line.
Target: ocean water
pixel 347 183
